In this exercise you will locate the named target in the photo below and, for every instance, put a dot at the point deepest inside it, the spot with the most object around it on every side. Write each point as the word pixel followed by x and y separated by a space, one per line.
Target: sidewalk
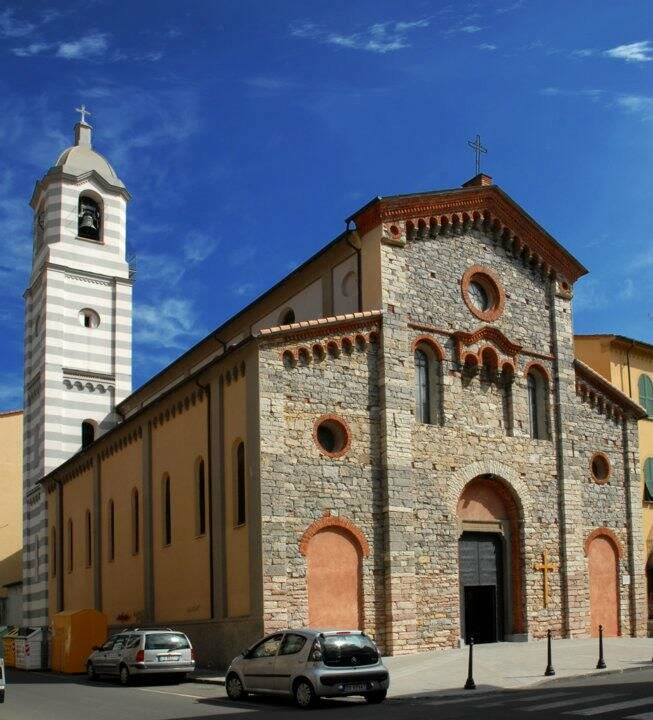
pixel 501 666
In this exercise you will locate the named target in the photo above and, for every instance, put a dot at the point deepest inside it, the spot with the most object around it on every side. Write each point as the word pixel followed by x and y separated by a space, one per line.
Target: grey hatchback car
pixel 310 664
pixel 142 652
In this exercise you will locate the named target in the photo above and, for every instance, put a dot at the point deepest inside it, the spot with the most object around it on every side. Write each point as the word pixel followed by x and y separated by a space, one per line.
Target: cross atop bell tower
pixel 78 315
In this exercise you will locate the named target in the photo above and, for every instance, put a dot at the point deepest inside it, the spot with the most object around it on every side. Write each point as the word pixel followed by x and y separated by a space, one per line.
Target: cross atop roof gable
pixel 486 207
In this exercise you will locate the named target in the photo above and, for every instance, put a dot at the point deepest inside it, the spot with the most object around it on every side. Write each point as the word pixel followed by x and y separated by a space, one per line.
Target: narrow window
pixel 167 511
pixel 240 485
pixel 88 433
pixel 70 545
pixel 201 499
pixel 112 531
pixel 53 551
pixel 533 407
pixel 135 523
pixel 89 539
pixel 287 317
pixel 423 387
pixel 88 221
pixel 646 393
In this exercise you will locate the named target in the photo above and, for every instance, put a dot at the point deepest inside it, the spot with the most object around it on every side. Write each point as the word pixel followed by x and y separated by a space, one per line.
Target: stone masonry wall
pixel 299 484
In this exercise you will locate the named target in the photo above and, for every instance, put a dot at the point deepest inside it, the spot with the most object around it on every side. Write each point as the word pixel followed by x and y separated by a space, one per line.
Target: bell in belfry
pixel 89 219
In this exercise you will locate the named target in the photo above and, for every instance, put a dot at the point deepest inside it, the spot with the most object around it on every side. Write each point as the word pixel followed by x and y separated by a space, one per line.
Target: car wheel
pixel 376 697
pixel 125 677
pixel 235 689
pixel 90 672
pixel 305 696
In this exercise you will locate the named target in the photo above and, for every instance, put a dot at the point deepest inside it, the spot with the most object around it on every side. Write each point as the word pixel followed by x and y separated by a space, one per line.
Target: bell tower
pixel 78 318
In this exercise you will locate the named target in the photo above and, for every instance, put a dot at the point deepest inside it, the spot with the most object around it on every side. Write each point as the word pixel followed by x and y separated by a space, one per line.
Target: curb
pixel 215 680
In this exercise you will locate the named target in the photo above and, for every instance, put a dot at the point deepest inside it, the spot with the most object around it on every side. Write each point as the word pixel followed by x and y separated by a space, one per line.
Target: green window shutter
pixel 648 479
pixel 646 393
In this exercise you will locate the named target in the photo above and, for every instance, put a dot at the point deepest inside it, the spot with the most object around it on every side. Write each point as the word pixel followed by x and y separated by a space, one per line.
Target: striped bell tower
pixel 78 319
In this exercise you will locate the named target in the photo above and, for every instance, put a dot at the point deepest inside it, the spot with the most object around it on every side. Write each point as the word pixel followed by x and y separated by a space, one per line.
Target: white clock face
pixel 479 296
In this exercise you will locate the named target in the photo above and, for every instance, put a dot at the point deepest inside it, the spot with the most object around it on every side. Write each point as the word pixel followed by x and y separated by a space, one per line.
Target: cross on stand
pixel 84 112
pixel 545 567
pixel 478 149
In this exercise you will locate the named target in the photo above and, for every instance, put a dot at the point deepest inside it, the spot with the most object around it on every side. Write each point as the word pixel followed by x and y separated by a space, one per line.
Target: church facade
pixel 396 437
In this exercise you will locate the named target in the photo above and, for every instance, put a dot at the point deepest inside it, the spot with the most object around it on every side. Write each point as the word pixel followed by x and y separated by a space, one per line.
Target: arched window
pixel 89 218
pixel 69 540
pixel 111 526
pixel 88 433
pixel 89 539
pixel 53 551
pixel 166 511
pixel 287 317
pixel 200 499
pixel 241 507
pixel 428 385
pixel 648 479
pixel 646 393
pixel 136 529
pixel 537 390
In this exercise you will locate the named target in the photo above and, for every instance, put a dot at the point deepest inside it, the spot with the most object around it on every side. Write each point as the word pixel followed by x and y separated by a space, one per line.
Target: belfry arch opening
pixel 490 567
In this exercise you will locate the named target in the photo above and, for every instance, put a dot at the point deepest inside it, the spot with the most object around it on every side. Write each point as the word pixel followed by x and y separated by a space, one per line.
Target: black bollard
pixel 470 684
pixel 549 666
pixel 600 665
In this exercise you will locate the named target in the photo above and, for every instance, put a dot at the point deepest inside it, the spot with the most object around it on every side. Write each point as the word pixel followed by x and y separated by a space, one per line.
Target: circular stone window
pixel 482 293
pixel 331 435
pixel 600 467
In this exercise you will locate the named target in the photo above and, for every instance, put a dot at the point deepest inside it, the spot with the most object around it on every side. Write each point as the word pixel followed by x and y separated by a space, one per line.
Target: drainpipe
pixel 630 390
pixel 359 264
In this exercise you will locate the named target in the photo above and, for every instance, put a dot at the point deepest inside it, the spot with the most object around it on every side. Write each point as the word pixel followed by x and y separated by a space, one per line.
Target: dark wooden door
pixel 481 586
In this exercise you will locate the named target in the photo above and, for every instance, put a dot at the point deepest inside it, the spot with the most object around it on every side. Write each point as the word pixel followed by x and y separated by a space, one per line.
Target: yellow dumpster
pixel 9 647
pixel 74 633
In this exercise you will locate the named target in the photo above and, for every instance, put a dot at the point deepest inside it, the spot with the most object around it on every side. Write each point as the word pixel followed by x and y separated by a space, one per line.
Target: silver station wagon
pixel 142 652
pixel 310 664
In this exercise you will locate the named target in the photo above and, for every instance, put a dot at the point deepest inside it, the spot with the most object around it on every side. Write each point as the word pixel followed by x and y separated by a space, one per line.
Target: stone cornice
pixel 57 175
pixel 597 390
pixel 485 208
pixel 308 329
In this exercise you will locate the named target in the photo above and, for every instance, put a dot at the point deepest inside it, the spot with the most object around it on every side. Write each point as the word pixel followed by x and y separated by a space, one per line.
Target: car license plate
pixel 358 687
pixel 168 658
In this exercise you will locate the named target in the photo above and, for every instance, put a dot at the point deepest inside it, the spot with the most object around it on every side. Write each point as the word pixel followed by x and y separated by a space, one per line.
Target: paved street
pixel 620 696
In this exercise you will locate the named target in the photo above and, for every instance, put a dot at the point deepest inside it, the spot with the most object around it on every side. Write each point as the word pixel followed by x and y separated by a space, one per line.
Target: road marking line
pixel 530 698
pixel 642 716
pixel 573 701
pixel 165 692
pixel 613 706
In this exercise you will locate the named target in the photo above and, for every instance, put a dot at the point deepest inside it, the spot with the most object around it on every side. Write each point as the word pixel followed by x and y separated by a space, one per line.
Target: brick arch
pixel 430 342
pixel 604 532
pixel 538 367
pixel 334 521
pixel 509 477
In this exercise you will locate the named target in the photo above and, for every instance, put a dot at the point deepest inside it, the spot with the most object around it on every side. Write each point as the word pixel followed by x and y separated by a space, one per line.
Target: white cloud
pixel 378 38
pixel 510 8
pixel 87 46
pixel 590 295
pixel 12 27
pixel 198 246
pixel 470 29
pixel 593 94
pixel 244 289
pixel 637 104
pixel 169 324
pixel 627 291
pixel 267 86
pixel 35 48
pixel 486 46
pixel 583 53
pixel 633 52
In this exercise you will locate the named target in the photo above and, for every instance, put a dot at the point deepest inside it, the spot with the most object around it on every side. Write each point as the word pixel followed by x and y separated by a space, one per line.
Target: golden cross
pixel 545 567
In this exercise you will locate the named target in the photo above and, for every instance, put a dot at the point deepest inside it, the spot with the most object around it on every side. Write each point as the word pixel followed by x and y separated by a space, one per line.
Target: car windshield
pixel 166 641
pixel 349 650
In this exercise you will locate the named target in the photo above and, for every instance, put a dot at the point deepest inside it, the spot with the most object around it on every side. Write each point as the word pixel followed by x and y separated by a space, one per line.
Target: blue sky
pixel 247 131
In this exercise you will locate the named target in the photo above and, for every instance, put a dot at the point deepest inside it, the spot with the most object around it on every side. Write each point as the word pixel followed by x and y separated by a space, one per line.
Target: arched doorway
pixel 491 603
pixel 334 549
pixel 603 568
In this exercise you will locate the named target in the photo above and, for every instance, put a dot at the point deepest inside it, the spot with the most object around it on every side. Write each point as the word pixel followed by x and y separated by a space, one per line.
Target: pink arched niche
pixel 334 548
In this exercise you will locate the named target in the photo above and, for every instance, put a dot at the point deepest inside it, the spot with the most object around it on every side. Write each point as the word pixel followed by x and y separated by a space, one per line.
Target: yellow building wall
pixel 123 596
pixel 595 352
pixel 182 568
pixel 11 503
pixel 78 583
pixel 54 562
pixel 236 538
